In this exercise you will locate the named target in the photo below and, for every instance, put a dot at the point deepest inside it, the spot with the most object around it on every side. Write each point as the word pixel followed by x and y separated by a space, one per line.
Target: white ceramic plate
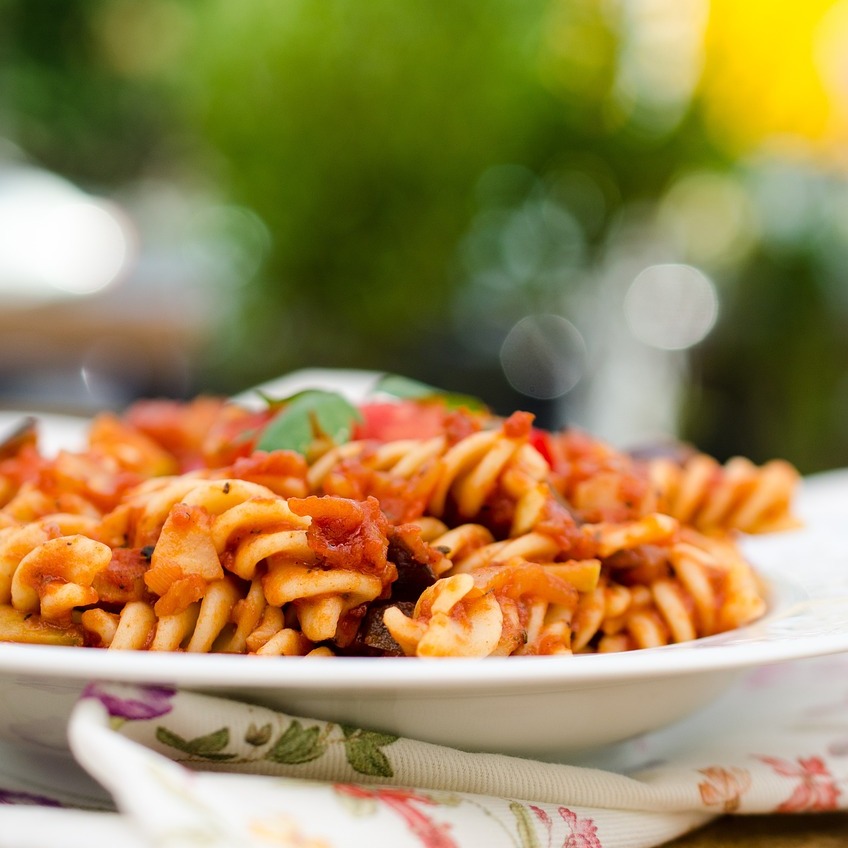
pixel 546 707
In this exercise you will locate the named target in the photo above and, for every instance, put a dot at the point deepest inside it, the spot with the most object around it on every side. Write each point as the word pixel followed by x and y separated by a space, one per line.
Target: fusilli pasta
pixel 179 529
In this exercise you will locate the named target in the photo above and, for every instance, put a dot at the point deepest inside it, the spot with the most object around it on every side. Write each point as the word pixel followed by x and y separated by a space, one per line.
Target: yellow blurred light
pixel 630 63
pixel 832 60
pixel 763 78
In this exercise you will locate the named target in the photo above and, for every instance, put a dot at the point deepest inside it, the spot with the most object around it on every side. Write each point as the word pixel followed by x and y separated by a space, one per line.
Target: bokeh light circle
pixel 56 240
pixel 543 356
pixel 671 306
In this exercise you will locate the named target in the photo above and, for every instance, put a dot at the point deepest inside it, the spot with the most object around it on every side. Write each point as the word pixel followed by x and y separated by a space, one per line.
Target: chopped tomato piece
pixel 541 440
pixel 387 422
pixel 233 435
pixel 518 425
pixel 346 533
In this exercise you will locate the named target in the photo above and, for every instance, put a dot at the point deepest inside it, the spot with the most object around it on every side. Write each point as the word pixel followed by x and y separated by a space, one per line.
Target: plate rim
pixel 363 674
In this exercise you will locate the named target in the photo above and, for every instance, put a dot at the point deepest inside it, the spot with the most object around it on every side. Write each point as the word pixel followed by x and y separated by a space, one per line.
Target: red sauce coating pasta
pixel 428 531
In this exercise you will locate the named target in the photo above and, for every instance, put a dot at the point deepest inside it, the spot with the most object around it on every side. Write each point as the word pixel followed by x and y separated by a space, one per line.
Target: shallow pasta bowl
pixel 546 707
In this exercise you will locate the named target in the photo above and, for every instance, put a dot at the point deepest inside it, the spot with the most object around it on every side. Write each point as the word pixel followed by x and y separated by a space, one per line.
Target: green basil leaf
pixel 406 388
pixel 308 416
pixel 275 403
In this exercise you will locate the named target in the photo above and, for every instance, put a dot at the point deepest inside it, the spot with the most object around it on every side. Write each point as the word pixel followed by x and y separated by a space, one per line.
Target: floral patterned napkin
pixel 184 769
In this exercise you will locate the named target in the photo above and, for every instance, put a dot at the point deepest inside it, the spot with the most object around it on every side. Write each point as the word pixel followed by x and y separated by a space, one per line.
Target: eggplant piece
pixel 415 573
pixel 373 638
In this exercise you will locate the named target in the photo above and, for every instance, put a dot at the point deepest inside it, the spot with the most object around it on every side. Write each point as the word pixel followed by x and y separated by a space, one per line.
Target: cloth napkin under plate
pixel 184 769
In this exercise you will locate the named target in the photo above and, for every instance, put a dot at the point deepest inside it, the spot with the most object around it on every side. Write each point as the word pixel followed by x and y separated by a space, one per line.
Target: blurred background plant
pixel 628 215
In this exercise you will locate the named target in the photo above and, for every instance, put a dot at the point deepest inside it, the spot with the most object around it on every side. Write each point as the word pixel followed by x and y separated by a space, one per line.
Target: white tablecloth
pixel 156 767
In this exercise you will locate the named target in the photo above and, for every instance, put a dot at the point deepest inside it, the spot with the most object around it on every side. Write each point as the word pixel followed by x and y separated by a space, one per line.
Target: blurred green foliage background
pixel 467 193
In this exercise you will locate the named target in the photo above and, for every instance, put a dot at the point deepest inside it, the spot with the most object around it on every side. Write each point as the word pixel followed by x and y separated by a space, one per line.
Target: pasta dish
pixel 414 524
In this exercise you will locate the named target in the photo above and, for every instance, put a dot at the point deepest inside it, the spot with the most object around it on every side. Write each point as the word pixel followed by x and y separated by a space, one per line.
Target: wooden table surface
pixel 815 830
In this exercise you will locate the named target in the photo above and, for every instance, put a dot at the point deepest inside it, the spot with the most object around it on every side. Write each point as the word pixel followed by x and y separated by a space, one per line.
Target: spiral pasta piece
pixel 494 611
pixel 246 528
pixel 226 620
pixel 472 546
pixel 56 576
pixel 735 496
pixel 471 470
pixel 18 540
pixel 435 475
pixel 705 588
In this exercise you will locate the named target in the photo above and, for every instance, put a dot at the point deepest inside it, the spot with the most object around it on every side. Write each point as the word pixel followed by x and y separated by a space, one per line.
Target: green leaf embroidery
pixel 297 745
pixel 208 747
pixel 309 416
pixel 408 389
pixel 525 825
pixel 258 736
pixel 362 749
pixel 374 736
